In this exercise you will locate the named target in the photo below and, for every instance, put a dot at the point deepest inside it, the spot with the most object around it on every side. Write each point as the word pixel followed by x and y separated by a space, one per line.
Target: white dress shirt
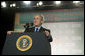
pixel 38 28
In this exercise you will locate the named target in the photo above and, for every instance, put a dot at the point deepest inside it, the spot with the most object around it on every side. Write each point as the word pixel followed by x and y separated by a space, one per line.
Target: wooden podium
pixel 26 44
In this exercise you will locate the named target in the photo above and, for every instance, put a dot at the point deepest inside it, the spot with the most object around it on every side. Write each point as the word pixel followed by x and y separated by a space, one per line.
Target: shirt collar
pixel 38 27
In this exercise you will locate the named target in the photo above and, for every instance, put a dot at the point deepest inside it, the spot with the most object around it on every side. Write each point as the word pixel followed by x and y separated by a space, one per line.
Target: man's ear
pixel 42 21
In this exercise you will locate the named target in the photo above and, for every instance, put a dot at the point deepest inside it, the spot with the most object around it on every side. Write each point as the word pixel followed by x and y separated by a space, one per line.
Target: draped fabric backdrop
pixel 68 38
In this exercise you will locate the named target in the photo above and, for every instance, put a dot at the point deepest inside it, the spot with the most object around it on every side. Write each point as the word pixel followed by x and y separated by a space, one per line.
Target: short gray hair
pixel 42 17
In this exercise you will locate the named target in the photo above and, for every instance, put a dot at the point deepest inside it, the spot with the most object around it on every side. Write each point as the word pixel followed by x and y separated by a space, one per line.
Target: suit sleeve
pixel 49 37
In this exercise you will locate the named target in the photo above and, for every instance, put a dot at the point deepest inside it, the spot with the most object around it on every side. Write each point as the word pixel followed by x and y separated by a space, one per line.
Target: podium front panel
pixel 40 44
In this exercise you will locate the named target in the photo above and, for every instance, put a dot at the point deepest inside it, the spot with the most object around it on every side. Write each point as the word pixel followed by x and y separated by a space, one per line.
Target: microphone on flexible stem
pixel 28 25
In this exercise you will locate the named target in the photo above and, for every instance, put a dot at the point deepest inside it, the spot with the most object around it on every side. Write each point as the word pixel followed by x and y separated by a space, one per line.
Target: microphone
pixel 29 25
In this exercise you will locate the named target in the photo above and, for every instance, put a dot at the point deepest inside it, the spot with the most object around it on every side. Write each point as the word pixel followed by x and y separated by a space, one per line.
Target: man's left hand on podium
pixel 47 33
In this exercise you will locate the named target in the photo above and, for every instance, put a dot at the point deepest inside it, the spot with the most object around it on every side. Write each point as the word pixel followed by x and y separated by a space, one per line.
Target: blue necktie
pixel 36 30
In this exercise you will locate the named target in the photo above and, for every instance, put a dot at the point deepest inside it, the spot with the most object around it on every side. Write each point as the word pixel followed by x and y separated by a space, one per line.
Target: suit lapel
pixel 41 29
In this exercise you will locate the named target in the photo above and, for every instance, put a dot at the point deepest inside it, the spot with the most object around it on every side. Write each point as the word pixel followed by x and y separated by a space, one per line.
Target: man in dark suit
pixel 38 21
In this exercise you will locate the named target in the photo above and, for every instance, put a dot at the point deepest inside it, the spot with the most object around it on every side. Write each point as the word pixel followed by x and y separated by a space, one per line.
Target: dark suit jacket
pixel 41 30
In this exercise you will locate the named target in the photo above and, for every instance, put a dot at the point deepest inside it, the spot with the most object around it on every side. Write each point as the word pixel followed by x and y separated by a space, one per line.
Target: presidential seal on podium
pixel 24 43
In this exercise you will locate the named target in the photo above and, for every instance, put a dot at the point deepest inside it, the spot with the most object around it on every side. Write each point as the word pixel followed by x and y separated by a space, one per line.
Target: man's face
pixel 37 20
